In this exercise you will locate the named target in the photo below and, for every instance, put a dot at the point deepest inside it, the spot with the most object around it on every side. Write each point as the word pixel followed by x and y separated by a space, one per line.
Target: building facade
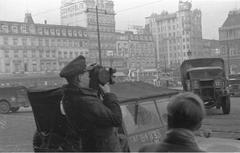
pixel 138 49
pixel 83 13
pixel 26 47
pixel 177 36
pixel 211 48
pixel 229 37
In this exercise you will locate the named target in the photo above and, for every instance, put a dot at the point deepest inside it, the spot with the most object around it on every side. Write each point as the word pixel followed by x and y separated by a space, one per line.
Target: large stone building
pixel 83 13
pixel 138 49
pixel 211 48
pixel 26 47
pixel 229 37
pixel 177 35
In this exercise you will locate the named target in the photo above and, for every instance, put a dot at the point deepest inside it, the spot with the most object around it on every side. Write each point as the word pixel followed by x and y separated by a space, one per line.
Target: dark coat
pixel 177 140
pixel 95 121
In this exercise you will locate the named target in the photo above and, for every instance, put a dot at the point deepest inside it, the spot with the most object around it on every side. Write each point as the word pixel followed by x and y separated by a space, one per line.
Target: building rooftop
pixel 164 15
pixel 233 19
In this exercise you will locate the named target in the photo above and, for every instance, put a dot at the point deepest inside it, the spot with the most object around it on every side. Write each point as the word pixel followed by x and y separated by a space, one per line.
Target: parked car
pixel 144 115
pixel 12 98
pixel 206 77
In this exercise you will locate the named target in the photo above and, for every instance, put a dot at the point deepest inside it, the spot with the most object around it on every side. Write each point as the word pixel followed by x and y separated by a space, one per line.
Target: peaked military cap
pixel 75 67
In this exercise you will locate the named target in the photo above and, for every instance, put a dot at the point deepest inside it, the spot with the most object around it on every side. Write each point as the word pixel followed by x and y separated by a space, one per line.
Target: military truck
pixel 206 77
pixel 12 98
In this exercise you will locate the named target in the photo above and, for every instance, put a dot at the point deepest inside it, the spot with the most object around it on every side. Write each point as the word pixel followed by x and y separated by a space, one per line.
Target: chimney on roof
pixel 45 21
pixel 28 18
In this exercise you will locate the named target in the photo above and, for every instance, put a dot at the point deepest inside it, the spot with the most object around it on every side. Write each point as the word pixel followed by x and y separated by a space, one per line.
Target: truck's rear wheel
pixel 4 107
pixel 226 106
pixel 14 109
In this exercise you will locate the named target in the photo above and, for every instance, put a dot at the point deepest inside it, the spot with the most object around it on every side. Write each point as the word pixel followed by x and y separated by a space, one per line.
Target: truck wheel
pixel 14 109
pixel 4 107
pixel 226 106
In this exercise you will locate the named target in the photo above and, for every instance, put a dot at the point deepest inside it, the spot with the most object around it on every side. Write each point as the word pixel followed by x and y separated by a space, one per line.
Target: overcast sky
pixel 129 12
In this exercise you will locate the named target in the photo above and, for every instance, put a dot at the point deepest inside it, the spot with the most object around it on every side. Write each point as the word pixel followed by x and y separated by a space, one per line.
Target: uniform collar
pixel 76 89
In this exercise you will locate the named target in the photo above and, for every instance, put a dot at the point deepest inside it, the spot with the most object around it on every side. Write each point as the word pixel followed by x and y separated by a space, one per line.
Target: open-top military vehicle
pixel 206 77
pixel 144 110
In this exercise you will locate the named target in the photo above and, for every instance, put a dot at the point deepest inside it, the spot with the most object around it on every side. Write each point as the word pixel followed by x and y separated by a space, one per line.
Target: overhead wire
pixel 142 5
pixel 118 12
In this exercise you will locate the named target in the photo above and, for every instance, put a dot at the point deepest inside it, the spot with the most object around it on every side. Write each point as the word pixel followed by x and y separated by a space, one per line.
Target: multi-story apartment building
pixel 138 49
pixel 229 37
pixel 83 13
pixel 26 47
pixel 177 36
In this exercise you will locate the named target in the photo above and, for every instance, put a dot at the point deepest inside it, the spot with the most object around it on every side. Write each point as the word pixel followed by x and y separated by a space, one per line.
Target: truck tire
pixel 14 109
pixel 226 106
pixel 4 107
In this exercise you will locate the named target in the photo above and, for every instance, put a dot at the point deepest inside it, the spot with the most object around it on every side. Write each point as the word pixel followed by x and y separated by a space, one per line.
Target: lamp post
pixel 189 53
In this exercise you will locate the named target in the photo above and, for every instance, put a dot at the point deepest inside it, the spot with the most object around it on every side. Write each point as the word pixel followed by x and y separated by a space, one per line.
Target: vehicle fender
pixel 5 101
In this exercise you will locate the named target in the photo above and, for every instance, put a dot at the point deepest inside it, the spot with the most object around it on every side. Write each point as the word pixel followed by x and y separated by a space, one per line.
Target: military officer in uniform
pixel 94 120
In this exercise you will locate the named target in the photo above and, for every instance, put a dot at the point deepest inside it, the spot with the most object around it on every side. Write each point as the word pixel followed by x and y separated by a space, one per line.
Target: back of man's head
pixel 185 110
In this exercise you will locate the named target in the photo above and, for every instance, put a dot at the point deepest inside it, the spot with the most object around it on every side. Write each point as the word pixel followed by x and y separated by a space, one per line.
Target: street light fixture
pixel 189 53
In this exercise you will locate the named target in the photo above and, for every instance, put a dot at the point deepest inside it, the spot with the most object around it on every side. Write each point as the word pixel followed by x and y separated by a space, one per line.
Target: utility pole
pixel 98 35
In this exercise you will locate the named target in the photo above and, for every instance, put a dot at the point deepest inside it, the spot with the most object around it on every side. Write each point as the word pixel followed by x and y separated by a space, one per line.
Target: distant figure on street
pixel 185 114
pixel 95 121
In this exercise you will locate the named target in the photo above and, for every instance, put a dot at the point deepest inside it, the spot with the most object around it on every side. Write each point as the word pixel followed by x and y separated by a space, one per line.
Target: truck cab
pixel 12 98
pixel 206 77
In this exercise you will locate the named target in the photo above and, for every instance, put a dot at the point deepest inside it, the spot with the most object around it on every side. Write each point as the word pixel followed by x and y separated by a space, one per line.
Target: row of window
pixel 44 42
pixel 145 46
pixel 232 51
pixel 103 37
pixel 102 19
pixel 178 40
pixel 187 46
pixel 102 28
pixel 140 55
pixel 177 55
pixel 94 45
pixel 74 8
pixel 32 67
pixel 140 37
pixel 174 34
pixel 47 31
pixel 42 54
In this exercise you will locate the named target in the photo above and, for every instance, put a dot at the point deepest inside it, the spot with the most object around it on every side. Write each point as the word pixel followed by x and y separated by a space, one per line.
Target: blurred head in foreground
pixel 185 110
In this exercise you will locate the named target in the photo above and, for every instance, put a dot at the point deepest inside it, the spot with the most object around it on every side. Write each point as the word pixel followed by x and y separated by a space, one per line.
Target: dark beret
pixel 75 67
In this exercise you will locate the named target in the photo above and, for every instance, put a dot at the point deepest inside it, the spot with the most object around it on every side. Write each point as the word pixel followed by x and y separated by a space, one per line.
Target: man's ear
pixel 198 126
